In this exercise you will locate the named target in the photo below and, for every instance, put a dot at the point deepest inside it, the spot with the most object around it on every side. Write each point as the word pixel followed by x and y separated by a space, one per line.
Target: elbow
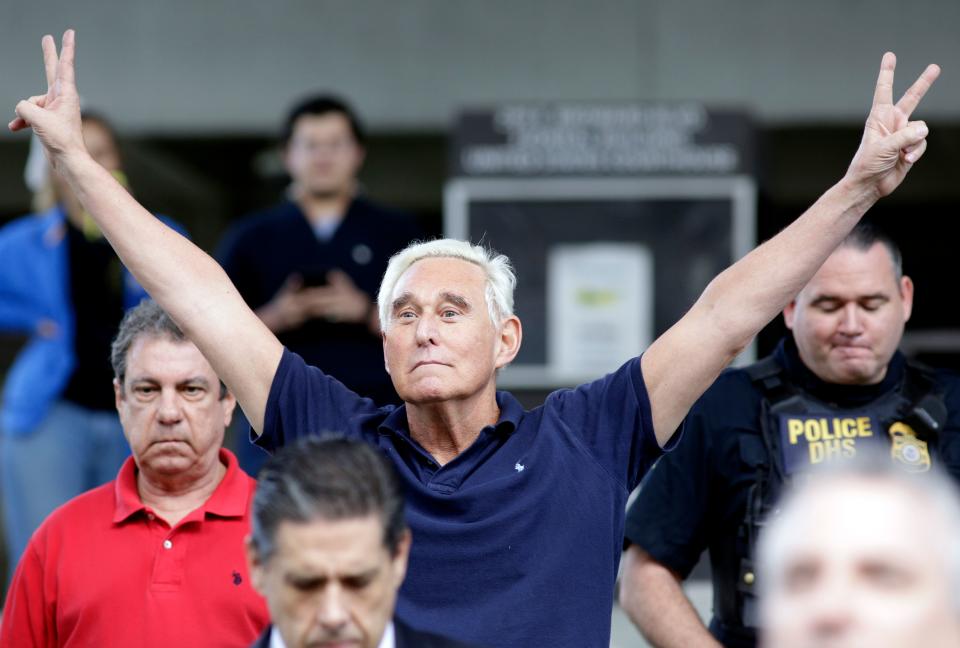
pixel 731 326
pixel 735 347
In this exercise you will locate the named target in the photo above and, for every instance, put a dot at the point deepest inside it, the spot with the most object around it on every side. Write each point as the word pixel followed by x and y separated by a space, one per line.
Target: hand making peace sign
pixel 891 143
pixel 890 146
pixel 55 116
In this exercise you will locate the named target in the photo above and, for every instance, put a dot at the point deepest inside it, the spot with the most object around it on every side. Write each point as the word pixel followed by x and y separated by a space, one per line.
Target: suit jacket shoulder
pixel 407 637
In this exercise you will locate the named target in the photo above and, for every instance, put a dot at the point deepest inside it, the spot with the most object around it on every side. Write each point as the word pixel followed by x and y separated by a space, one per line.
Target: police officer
pixel 837 385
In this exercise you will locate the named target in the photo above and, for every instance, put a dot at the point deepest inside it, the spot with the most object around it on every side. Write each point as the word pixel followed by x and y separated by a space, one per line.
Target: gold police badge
pixel 907 449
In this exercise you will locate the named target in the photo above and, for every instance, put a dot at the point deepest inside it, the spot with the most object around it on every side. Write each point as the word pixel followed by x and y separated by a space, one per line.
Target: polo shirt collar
pixel 127 497
pixel 511 411
pixel 230 499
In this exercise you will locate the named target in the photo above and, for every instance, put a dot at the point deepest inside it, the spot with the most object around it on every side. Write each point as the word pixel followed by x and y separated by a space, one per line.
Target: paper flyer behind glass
pixel 600 305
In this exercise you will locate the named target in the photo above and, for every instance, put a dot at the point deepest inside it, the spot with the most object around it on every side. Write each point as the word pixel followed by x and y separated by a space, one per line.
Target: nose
pixel 168 410
pixel 327 148
pixel 332 612
pixel 426 330
pixel 831 615
pixel 851 320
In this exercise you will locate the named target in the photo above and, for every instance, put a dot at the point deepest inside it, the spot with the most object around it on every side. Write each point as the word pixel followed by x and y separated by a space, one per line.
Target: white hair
pixel 933 490
pixel 501 279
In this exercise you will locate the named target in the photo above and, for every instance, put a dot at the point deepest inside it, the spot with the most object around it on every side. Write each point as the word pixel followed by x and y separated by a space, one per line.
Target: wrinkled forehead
pixel 430 277
pixel 161 355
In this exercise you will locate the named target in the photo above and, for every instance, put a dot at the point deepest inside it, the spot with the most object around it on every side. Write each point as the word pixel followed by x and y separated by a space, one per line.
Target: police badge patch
pixel 907 449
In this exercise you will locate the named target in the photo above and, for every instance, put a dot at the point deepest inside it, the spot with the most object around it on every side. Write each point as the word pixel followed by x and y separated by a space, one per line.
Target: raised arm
pixel 684 361
pixel 186 282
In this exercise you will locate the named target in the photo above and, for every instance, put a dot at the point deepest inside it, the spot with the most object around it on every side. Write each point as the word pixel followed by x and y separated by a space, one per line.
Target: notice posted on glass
pixel 599 306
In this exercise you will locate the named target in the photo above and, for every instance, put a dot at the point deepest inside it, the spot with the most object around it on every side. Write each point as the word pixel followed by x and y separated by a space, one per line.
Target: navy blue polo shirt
pixel 516 541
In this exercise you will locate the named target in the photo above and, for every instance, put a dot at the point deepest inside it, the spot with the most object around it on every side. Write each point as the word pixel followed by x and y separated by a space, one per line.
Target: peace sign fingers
pixel 50 62
pixel 65 67
pixel 911 98
pixel 883 94
pixel 54 116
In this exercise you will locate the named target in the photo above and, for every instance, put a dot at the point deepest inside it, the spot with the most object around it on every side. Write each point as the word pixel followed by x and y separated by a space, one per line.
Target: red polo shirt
pixel 103 570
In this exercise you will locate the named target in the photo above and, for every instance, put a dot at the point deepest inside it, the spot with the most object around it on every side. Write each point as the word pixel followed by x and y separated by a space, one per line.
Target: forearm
pixel 680 365
pixel 273 318
pixel 176 273
pixel 653 598
pixel 184 280
pixel 746 296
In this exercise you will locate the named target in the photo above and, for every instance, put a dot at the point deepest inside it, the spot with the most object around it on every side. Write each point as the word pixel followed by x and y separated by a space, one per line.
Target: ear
pixel 906 294
pixel 117 393
pixel 790 314
pixel 511 334
pixel 229 404
pixel 401 557
pixel 383 339
pixel 254 566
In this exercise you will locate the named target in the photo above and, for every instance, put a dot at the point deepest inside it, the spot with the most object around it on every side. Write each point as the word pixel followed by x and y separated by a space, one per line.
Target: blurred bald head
pixel 864 555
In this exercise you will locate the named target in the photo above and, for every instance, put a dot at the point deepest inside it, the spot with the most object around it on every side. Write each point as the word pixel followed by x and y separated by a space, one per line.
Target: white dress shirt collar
pixel 388 640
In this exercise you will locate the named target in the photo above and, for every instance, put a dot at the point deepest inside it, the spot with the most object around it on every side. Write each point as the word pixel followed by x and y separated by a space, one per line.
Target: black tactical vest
pixel 800 431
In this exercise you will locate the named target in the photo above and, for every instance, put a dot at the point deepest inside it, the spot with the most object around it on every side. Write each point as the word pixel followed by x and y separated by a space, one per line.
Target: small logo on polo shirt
pixel 519 467
pixel 237 578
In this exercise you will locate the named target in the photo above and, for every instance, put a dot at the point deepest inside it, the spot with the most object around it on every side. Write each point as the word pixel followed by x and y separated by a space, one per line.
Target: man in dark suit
pixel 328 548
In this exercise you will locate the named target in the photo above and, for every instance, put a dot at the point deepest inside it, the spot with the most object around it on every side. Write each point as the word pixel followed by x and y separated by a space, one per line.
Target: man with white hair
pixel 517 515
pixel 866 555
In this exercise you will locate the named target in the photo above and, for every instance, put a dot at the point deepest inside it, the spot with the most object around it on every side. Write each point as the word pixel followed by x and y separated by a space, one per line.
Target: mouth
pixel 336 643
pixel 166 442
pixel 852 347
pixel 428 363
pixel 852 351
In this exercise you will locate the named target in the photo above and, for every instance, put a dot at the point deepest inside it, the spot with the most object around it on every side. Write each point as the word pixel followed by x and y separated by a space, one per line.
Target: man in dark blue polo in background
pixel 517 516
pixel 310 266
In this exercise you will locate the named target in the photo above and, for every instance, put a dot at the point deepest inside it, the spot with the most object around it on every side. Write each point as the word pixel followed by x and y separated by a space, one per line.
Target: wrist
pixel 859 193
pixel 70 154
pixel 73 163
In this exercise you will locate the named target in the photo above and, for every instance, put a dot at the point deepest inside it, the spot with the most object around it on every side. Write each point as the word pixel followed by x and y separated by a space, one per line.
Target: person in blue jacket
pixel 64 288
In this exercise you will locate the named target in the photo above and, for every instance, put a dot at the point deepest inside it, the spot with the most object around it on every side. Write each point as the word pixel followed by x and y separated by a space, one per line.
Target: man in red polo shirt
pixel 156 557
